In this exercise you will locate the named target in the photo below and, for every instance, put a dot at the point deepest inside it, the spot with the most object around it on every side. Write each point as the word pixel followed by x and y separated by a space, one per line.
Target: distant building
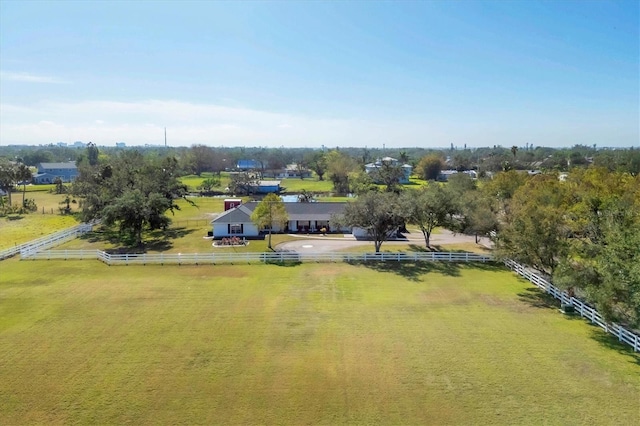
pixel 79 144
pixel 372 168
pixel 266 187
pixel 248 165
pixel 62 144
pixel 290 171
pixel 48 172
pixel 120 145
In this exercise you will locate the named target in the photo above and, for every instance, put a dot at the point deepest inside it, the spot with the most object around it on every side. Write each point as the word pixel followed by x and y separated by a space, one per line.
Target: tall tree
pixel 92 154
pixel 429 167
pixel 270 212
pixel 536 231
pixel 132 193
pixel 604 253
pixel 379 213
pixel 340 165
pixel 23 175
pixel 317 162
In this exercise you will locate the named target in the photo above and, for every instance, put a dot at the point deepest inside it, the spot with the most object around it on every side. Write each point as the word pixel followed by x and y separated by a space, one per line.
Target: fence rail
pixel 43 243
pixel 581 307
pixel 217 258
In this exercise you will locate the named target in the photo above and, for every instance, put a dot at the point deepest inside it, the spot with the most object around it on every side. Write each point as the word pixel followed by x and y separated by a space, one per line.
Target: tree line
pixel 582 229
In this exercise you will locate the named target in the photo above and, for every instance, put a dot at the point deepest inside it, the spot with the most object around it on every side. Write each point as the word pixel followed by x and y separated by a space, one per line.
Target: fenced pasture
pixel 435 343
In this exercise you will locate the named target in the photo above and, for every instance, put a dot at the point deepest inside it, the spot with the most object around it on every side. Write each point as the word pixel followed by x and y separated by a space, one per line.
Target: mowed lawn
pixel 83 342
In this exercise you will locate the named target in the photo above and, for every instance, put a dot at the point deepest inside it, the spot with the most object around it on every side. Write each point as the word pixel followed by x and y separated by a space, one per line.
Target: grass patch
pixel 18 229
pixel 309 344
pixel 296 185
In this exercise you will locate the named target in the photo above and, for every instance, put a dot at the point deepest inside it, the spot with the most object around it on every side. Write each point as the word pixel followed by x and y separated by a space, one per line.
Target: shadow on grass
pixel 611 342
pixel 414 270
pixel 155 241
pixel 284 263
pixel 537 298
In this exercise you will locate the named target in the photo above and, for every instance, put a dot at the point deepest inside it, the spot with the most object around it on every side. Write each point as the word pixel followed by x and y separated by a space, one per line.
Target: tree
pixel 306 196
pixel 23 175
pixel 317 162
pixel 201 159
pixel 361 183
pixel 241 183
pixel 428 208
pixel 536 231
pixel 501 189
pixel 60 188
pixel 604 252
pixel 270 212
pixel 340 165
pixel 379 213
pixel 514 151
pixel 7 178
pixel 388 174
pixel 209 183
pixel 132 193
pixel 92 154
pixel 429 167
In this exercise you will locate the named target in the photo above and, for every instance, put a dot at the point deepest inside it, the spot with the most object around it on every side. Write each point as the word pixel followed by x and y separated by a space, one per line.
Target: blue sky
pixel 307 74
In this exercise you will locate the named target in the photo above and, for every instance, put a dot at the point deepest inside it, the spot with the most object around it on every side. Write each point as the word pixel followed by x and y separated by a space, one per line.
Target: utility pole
pixel 165 137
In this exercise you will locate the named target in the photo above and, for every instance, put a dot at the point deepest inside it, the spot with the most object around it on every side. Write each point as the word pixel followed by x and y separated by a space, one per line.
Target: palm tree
pixel 514 151
pixel 23 174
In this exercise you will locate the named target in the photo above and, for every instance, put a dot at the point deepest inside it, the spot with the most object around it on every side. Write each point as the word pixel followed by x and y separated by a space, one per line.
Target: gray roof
pixel 68 165
pixel 295 211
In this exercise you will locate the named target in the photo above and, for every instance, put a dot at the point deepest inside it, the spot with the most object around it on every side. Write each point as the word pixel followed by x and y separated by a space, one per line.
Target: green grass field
pixel 309 344
pixel 18 229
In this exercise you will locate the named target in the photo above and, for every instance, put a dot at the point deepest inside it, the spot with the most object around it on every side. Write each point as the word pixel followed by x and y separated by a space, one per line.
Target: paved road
pixel 319 244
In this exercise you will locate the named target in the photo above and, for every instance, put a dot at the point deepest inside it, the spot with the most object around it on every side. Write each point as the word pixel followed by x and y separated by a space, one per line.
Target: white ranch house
pixel 303 218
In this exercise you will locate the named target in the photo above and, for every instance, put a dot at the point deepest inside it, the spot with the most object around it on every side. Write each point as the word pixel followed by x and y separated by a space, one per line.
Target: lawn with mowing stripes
pixel 313 343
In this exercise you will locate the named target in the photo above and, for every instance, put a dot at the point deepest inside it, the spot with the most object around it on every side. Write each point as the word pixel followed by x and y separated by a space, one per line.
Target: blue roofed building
pixel 48 172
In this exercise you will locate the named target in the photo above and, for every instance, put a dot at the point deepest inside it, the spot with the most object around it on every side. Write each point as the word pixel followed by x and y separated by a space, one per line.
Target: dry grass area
pixel 309 344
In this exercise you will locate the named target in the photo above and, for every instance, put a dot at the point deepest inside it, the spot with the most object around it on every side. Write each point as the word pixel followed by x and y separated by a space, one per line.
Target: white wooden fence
pixel 47 242
pixel 275 257
pixel 582 308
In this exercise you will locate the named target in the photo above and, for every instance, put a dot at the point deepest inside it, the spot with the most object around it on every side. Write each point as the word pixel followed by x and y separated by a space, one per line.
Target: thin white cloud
pixel 24 77
pixel 143 122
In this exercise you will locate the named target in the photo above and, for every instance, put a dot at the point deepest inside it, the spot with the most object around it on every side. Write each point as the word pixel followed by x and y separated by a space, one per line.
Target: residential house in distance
pixel 48 172
pixel 372 168
pixel 303 218
pixel 444 175
pixel 249 165
pixel 290 171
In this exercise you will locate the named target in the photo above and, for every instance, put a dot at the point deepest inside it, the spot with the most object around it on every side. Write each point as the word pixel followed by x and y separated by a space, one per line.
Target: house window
pixel 236 228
